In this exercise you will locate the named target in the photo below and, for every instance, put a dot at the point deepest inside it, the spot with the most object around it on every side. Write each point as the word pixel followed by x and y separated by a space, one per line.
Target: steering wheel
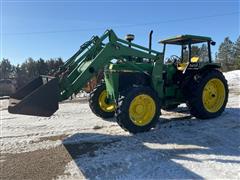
pixel 175 59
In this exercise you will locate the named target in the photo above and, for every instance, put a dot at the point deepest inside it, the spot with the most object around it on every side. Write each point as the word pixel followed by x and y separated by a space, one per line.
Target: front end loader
pixel 137 82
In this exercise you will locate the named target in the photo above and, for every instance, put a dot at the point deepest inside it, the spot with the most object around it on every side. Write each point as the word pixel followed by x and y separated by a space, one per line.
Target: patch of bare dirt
pixel 54 138
pixel 45 163
pixel 39 164
pixel 50 138
pixel 97 127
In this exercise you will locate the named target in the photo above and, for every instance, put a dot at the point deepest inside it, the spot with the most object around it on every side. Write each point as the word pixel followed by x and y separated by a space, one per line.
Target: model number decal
pixel 193 65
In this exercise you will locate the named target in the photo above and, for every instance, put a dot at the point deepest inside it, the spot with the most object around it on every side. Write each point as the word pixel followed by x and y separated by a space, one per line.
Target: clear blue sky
pixel 51 29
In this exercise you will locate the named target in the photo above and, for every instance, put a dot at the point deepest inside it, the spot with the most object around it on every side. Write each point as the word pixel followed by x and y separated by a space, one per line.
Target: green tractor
pixel 138 82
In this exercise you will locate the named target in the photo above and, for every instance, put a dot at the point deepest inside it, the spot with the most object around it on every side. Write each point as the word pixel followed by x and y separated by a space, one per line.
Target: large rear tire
pixel 139 110
pixel 208 95
pixel 98 103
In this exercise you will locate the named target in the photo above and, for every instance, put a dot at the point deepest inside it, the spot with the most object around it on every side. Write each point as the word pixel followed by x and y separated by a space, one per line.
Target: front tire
pixel 208 96
pixel 98 103
pixel 139 110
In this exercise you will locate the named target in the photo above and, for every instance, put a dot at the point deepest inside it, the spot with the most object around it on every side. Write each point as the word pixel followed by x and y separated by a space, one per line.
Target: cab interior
pixel 187 55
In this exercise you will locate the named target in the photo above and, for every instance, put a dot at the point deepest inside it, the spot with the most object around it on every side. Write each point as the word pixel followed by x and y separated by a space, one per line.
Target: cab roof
pixel 185 39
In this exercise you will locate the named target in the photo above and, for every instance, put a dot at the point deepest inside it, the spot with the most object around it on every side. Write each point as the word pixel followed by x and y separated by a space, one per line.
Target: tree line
pixel 228 55
pixel 28 70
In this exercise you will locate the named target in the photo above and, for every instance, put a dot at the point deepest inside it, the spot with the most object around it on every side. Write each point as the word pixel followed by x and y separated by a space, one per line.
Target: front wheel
pixel 99 104
pixel 139 110
pixel 208 96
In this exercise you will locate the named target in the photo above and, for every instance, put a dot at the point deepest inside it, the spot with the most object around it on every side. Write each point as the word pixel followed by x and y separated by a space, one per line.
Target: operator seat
pixel 182 66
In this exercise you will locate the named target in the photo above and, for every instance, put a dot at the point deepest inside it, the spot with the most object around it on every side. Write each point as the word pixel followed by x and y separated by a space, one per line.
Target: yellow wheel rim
pixel 107 107
pixel 213 95
pixel 142 110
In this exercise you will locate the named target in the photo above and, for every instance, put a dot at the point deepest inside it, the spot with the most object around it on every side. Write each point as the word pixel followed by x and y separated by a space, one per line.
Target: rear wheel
pixel 208 96
pixel 139 110
pixel 99 104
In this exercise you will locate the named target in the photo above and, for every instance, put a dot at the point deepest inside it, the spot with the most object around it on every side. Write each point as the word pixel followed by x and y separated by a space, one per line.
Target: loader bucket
pixel 38 98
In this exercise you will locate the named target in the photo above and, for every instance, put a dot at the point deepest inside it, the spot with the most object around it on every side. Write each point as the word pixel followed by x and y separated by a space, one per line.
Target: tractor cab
pixel 189 51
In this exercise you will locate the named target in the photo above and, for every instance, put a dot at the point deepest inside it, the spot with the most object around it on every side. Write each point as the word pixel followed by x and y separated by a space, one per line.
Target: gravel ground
pixel 75 144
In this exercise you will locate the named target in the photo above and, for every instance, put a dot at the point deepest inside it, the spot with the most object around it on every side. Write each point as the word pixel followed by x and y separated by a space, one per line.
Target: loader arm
pixel 41 96
pixel 115 49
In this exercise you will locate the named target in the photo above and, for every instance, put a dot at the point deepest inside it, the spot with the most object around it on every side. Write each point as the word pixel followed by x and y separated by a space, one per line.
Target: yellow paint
pixel 182 66
pixel 107 107
pixel 142 110
pixel 194 59
pixel 213 95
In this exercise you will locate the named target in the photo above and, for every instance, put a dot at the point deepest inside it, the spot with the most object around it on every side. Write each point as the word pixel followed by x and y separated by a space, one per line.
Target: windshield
pixel 199 53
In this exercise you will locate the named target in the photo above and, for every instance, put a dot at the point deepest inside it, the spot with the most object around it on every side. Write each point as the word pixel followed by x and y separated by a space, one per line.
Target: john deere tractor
pixel 138 82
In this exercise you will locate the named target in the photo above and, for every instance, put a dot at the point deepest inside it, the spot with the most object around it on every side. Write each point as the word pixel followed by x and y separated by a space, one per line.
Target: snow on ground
pixel 75 144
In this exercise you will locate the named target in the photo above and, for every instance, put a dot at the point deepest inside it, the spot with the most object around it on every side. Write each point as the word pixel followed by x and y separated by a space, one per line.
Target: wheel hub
pixel 139 109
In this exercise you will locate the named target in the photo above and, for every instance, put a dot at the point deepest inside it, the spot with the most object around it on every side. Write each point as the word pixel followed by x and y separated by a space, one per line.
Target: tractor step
pixel 38 98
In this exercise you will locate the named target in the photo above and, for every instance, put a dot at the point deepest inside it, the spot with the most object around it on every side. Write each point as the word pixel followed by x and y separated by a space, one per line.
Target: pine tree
pixel 6 69
pixel 204 53
pixel 41 67
pixel 21 76
pixel 195 51
pixel 237 53
pixel 226 54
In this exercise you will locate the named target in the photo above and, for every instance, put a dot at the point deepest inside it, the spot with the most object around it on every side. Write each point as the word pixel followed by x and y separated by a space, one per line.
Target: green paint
pixel 97 54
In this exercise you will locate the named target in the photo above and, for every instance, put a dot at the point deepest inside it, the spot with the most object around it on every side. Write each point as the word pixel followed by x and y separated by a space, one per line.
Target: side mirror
pixel 213 43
